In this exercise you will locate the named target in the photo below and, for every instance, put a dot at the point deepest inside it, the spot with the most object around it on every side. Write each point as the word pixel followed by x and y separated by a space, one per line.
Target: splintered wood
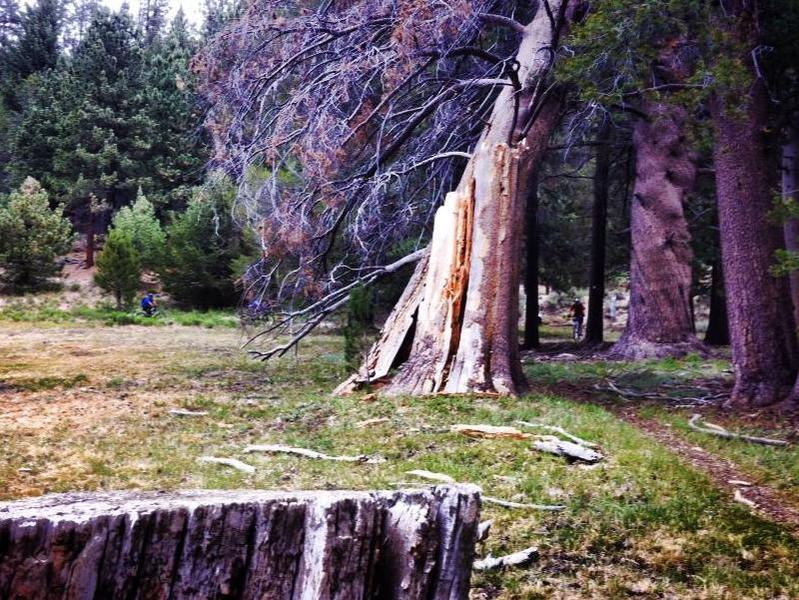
pixel 241 544
pixel 574 449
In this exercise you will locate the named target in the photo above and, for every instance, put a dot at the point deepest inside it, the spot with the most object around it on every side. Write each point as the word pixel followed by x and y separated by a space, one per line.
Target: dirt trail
pixel 769 502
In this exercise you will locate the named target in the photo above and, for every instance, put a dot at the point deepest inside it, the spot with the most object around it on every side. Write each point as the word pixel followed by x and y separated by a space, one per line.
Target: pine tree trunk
pixel 761 329
pixel 660 320
pixel 790 191
pixel 90 242
pixel 241 544
pixel 718 331
pixel 531 307
pixel 594 332
pixel 465 333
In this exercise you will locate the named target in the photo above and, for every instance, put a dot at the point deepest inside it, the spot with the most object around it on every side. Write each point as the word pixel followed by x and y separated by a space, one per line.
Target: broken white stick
pixel 229 462
pixel 713 429
pixel 552 445
pixel 509 504
pixel 739 497
pixel 180 412
pixel 441 477
pixel 280 448
pixel 561 431
pixel 517 559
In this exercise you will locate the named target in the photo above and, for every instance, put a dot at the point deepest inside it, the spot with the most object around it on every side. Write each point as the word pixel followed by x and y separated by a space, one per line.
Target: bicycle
pixel 577 329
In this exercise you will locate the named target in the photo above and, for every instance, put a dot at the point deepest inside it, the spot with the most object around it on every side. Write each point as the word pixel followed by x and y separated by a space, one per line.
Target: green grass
pixel 641 523
pixel 31 311
pixel 35 384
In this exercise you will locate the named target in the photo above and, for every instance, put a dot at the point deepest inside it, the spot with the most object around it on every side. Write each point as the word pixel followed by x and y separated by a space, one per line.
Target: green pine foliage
pixel 204 245
pixel 32 237
pixel 118 268
pixel 139 223
pixel 359 325
pixel 118 114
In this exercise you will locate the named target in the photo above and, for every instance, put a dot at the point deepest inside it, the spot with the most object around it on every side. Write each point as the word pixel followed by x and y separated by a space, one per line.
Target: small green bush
pixel 141 225
pixel 32 237
pixel 118 268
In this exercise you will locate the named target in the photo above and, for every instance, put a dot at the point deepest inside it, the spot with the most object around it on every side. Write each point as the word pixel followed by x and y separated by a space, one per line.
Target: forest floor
pixel 86 406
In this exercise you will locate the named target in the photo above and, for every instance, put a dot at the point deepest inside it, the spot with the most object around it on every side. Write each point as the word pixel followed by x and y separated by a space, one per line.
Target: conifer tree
pixel 118 268
pixel 32 237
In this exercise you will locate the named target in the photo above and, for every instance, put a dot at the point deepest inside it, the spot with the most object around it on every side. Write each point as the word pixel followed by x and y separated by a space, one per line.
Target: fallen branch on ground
pixel 739 497
pixel 312 453
pixel 509 504
pixel 490 432
pixel 517 559
pixel 559 430
pixel 719 431
pixel 553 445
pixel 229 462
pixel 180 412
pixel 631 393
pixel 440 477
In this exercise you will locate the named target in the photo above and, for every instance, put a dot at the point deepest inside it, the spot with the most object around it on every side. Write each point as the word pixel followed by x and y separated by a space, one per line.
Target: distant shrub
pixel 118 268
pixel 32 237
pixel 140 224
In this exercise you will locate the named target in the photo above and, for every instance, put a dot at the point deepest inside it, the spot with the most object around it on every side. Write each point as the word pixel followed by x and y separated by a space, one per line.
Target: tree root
pixel 719 431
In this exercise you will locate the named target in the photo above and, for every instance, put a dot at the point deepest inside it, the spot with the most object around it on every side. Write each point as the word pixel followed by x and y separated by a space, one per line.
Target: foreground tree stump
pixel 240 544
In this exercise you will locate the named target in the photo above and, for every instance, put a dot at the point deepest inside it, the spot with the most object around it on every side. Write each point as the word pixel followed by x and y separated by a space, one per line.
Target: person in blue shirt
pixel 149 305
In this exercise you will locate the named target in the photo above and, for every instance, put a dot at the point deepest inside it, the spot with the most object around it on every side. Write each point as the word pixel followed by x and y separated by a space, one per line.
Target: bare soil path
pixel 726 474
pixel 769 502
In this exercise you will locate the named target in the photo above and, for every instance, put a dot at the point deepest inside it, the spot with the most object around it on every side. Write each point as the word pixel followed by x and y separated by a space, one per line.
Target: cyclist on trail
pixel 577 316
pixel 149 305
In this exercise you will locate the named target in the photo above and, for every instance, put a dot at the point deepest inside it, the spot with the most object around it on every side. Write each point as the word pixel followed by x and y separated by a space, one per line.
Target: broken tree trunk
pixel 660 321
pixel 241 544
pixel 464 337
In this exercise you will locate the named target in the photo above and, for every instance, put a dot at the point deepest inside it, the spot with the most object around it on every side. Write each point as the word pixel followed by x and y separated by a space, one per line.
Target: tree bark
pixel 531 307
pixel 718 331
pixel 762 332
pixel 241 544
pixel 790 192
pixel 90 240
pixel 594 333
pixel 660 320
pixel 466 328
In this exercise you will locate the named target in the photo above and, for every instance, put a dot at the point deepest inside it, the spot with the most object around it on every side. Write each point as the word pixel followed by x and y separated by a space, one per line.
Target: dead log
pixel 572 451
pixel 241 544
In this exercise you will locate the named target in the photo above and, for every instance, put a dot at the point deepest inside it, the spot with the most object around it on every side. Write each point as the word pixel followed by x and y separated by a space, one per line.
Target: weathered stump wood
pixel 240 544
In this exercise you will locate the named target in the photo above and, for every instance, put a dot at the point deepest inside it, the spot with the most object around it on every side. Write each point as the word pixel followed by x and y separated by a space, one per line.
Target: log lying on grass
pixel 241 544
